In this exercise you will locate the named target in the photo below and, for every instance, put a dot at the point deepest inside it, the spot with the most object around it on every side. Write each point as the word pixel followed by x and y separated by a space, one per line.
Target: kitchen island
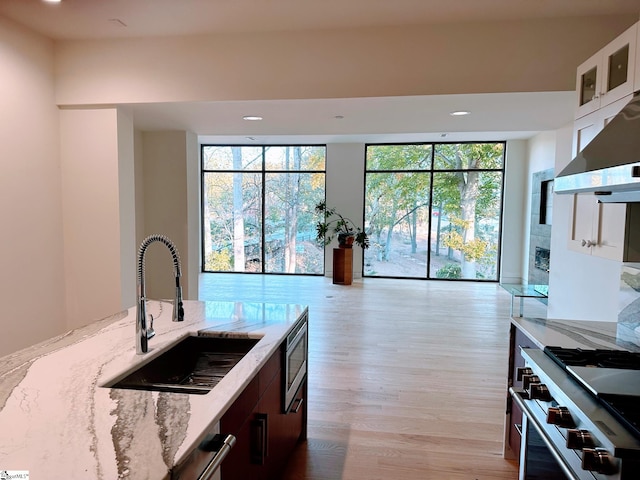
pixel 59 421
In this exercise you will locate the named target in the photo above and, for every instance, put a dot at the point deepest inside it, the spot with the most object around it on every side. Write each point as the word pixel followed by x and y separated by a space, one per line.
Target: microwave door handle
pixel 298 402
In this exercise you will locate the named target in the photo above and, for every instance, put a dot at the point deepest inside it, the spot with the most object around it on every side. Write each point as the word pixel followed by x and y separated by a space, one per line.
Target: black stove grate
pixel 626 409
pixel 594 358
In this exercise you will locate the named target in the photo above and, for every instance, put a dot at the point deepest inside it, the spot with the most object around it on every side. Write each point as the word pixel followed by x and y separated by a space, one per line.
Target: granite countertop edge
pixel 578 333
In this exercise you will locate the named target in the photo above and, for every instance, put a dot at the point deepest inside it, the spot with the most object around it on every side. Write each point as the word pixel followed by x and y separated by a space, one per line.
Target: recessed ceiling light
pixel 252 117
pixel 460 113
pixel 52 1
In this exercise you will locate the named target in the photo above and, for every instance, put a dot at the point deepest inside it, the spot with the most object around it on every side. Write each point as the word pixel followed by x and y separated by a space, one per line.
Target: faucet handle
pixel 178 306
pixel 150 331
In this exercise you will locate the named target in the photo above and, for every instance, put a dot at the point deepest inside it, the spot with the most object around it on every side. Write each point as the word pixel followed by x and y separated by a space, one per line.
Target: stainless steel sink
pixel 193 365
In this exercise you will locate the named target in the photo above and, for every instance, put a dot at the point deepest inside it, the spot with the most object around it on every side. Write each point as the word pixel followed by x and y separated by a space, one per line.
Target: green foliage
pixel 473 250
pixel 219 261
pixel 399 157
pixel 334 224
pixel 450 270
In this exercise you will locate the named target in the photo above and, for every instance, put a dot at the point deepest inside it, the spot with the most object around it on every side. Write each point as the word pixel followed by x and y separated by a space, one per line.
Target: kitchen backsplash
pixel 629 301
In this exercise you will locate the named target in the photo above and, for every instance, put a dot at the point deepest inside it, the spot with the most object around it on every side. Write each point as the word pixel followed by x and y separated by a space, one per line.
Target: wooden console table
pixel 342 266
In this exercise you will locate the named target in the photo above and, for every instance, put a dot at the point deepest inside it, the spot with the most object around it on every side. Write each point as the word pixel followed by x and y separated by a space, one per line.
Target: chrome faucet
pixel 143 331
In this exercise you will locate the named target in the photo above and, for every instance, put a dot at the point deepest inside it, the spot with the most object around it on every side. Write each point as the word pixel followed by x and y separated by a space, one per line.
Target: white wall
pixel 32 279
pixel 345 192
pixel 91 213
pixel 168 160
pixel 126 211
pixel 138 161
pixel 508 56
pixel 514 214
pixel 192 259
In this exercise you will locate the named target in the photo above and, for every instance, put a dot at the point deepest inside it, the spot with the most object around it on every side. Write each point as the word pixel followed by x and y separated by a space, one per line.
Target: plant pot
pixel 345 240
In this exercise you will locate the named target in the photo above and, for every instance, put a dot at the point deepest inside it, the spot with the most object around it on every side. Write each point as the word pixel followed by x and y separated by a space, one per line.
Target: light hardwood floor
pixel 406 377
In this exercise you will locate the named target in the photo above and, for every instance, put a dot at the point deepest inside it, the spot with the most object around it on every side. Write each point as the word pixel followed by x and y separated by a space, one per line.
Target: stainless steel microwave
pixel 295 362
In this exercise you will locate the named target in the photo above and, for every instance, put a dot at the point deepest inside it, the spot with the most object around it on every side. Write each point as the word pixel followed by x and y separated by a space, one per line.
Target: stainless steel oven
pixel 295 362
pixel 568 430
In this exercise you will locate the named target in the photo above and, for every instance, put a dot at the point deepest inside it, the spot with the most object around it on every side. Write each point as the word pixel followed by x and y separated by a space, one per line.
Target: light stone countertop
pixel 578 334
pixel 58 421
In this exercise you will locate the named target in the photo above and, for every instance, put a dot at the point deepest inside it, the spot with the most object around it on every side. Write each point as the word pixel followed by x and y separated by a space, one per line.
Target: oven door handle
pixel 224 448
pixel 517 396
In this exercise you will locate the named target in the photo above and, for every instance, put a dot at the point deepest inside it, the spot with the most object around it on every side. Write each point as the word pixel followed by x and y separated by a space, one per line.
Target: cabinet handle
pixel 225 447
pixel 298 405
pixel 259 438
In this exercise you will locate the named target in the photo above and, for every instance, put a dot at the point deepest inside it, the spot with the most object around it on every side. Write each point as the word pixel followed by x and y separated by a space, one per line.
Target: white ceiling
pixel 494 116
pixel 390 119
pixel 82 19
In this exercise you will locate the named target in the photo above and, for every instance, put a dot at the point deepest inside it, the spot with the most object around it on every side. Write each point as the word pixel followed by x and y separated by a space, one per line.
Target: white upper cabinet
pixel 606 230
pixel 588 126
pixel 608 75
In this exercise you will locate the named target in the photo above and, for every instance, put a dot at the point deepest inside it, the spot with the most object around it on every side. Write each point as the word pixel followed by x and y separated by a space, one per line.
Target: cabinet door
pixel 609 234
pixel 618 67
pixel 286 430
pixel 584 130
pixel 588 85
pixel 608 75
pixel 283 430
pixel 513 424
pixel 237 421
pixel 240 463
pixel 581 225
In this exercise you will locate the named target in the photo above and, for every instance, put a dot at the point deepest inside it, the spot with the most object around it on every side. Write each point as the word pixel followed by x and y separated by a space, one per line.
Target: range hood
pixel 609 166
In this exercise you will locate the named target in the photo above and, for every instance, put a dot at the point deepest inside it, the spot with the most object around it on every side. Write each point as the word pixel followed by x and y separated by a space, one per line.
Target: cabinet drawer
pixel 238 413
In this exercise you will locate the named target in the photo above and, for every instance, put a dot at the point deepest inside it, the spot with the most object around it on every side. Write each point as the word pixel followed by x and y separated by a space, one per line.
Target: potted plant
pixel 335 225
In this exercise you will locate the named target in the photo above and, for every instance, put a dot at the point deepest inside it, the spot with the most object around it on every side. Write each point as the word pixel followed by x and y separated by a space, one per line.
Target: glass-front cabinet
pixel 608 75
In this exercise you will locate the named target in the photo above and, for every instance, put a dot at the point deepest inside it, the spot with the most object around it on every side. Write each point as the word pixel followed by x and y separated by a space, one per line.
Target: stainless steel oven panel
pixel 534 416
pixel 586 411
pixel 295 362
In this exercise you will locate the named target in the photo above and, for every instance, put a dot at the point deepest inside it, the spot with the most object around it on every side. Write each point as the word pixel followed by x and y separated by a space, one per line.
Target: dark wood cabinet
pixel 285 429
pixel 265 435
pixel 514 415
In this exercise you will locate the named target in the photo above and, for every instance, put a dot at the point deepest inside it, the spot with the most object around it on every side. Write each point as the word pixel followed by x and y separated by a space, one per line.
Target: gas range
pixel 613 376
pixel 585 406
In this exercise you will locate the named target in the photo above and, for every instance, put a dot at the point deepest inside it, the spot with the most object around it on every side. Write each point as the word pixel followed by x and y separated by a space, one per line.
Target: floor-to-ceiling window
pixel 433 210
pixel 258 208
